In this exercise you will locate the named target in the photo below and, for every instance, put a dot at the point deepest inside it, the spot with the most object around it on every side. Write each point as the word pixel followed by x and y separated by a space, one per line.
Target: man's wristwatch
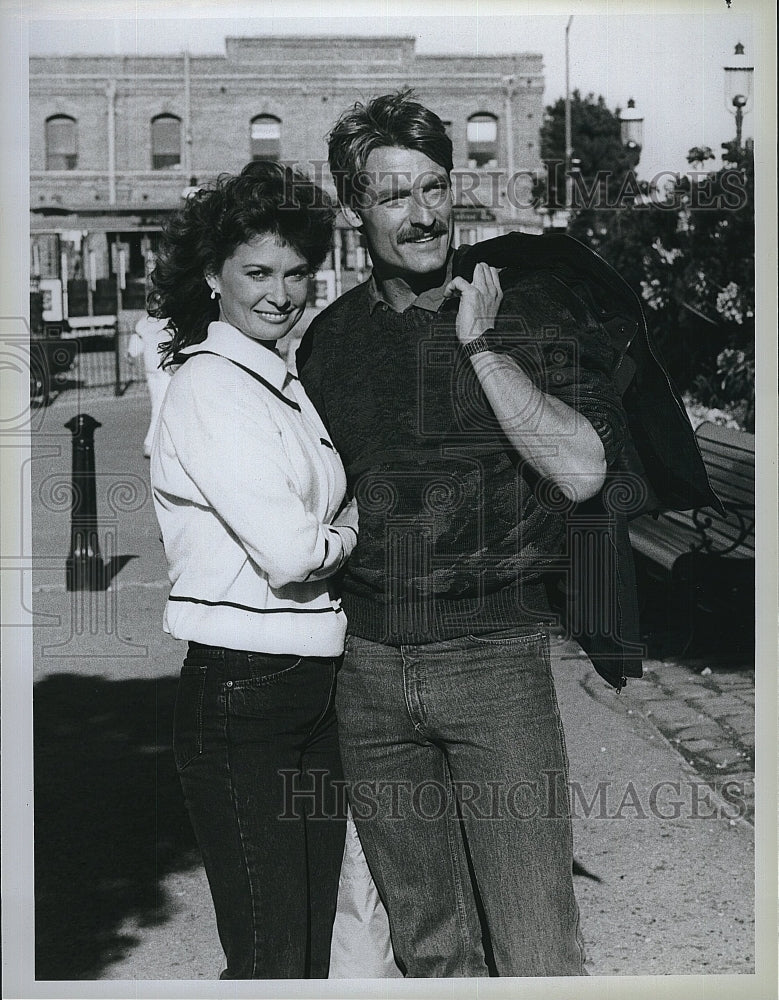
pixel 477 345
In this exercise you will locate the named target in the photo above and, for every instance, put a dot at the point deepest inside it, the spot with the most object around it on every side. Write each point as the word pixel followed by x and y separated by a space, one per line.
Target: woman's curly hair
pixel 265 198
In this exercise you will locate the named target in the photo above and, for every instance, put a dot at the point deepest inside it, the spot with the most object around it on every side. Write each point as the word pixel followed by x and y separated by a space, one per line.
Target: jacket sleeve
pixel 557 341
pixel 231 449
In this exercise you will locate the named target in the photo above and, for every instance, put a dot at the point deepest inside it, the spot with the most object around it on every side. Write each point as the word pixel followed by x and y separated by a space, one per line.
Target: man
pixel 470 415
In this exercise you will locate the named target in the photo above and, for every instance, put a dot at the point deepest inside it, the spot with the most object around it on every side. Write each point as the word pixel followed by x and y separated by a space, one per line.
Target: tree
pixel 603 167
pixel 689 253
pixel 699 155
pixel 688 250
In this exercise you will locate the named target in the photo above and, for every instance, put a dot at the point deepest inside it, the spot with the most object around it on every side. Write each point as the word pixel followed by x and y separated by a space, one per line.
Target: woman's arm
pixel 232 451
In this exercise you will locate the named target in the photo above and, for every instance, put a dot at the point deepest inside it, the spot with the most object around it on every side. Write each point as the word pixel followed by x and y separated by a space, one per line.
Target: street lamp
pixel 568 140
pixel 738 88
pixel 632 127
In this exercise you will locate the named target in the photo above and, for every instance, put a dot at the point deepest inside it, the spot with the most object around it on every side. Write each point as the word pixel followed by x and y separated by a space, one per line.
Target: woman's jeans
pixel 457 774
pixel 256 748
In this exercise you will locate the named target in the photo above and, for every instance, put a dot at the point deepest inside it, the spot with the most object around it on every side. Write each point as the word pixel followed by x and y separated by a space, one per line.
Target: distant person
pixel 149 334
pixel 250 496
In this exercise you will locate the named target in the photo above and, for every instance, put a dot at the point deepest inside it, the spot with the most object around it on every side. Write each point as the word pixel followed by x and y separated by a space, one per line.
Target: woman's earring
pixel 214 293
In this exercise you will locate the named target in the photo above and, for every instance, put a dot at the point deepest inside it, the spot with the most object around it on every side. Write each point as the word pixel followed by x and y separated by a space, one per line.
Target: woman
pixel 249 494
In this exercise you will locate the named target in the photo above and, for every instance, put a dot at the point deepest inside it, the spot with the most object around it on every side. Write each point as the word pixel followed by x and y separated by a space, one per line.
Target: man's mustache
pixel 409 235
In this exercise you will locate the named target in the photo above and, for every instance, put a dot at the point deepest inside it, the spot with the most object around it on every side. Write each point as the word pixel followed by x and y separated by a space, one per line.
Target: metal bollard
pixel 84 568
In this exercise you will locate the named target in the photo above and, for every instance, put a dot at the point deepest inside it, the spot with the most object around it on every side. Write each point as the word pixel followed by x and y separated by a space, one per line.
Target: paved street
pixel 661 774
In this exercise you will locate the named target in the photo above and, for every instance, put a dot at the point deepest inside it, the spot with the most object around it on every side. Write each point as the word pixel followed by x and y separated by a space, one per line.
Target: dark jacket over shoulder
pixel 660 467
pixel 665 455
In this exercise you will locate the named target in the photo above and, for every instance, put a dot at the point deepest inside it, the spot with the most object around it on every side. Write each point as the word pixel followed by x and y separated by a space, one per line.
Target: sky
pixel 668 56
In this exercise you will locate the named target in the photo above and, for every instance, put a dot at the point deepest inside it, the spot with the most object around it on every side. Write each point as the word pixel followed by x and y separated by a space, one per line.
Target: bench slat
pixel 686 538
pixel 729 457
pixel 731 477
pixel 655 550
pixel 723 532
pixel 729 466
pixel 727 492
pixel 738 475
pixel 729 460
pixel 718 452
pixel 708 431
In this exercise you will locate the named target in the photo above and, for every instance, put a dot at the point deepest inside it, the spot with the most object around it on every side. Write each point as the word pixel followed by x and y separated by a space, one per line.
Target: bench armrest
pixel 703 519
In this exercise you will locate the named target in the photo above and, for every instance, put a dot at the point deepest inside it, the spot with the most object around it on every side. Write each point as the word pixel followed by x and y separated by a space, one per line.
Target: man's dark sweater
pixel 455 528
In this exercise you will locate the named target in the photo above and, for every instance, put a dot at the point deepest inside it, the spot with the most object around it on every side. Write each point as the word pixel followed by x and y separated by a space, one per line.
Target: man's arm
pixel 557 441
pixel 553 437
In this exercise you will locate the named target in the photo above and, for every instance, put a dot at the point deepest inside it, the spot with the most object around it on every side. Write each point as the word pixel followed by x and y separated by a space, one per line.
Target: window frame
pixel 156 157
pixel 257 143
pixel 482 147
pixel 70 158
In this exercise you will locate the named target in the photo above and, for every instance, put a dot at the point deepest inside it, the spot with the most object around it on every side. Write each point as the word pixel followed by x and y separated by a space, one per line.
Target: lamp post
pixel 632 129
pixel 568 140
pixel 738 88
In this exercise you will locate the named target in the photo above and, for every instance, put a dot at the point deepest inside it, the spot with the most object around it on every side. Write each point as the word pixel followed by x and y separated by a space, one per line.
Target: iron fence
pixel 88 361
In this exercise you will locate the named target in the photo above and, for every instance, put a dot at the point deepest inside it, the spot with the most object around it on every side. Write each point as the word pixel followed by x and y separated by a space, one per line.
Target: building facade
pixel 117 141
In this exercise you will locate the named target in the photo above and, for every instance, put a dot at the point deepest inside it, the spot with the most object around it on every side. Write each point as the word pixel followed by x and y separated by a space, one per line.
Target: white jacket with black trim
pixel 246 483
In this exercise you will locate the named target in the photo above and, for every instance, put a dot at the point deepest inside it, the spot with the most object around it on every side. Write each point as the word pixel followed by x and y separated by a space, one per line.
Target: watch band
pixel 477 345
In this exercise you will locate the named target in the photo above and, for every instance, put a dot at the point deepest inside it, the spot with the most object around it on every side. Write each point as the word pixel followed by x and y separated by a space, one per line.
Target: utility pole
pixel 508 114
pixel 110 92
pixel 187 116
pixel 568 143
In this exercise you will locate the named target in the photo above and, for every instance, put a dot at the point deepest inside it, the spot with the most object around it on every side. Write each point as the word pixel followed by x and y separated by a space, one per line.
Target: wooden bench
pixel 710 557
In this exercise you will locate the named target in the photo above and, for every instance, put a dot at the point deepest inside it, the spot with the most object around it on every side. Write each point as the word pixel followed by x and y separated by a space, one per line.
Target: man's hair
pixel 265 198
pixel 390 120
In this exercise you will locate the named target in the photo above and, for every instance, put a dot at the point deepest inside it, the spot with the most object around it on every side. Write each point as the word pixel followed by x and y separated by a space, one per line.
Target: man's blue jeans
pixel 256 747
pixel 463 735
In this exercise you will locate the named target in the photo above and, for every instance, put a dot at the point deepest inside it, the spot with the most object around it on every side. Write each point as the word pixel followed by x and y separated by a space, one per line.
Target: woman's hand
pixel 347 516
pixel 479 301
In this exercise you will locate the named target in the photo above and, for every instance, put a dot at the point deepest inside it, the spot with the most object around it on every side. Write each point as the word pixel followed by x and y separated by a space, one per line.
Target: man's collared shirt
pixel 431 299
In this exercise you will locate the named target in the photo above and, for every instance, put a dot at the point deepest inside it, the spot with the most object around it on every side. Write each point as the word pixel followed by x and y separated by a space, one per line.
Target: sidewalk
pixel 661 774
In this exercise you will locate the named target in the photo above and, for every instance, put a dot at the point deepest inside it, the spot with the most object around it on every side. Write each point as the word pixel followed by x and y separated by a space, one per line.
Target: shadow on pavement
pixel 114 566
pixel 110 821
pixel 676 624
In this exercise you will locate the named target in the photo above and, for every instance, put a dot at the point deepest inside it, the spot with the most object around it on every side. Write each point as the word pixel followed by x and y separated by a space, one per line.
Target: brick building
pixel 115 141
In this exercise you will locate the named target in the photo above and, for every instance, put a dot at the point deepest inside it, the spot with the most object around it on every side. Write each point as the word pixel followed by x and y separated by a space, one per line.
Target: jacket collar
pixel 229 342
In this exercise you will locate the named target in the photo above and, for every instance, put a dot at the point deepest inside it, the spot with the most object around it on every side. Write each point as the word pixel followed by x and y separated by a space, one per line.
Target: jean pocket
pixel 512 636
pixel 188 715
pixel 260 669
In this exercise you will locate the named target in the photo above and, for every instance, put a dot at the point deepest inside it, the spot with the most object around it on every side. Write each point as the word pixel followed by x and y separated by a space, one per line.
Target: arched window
pixel 266 138
pixel 165 142
pixel 482 140
pixel 61 151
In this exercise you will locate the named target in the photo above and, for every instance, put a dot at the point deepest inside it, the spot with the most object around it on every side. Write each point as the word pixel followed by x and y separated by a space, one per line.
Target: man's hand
pixel 479 302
